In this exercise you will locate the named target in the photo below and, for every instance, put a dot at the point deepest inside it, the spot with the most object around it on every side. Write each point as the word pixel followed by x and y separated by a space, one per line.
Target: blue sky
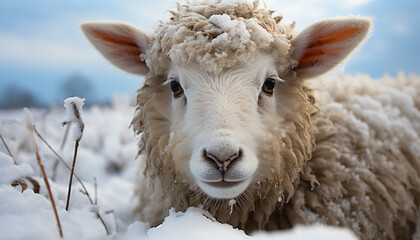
pixel 41 44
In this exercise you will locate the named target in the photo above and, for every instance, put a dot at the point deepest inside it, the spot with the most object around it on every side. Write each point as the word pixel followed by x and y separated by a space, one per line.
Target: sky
pixel 42 47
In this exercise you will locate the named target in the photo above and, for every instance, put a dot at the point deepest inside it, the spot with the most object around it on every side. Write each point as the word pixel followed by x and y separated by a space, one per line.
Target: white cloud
pixel 400 28
pixel 58 42
pixel 356 3
pixel 43 52
pixel 146 15
pixel 305 12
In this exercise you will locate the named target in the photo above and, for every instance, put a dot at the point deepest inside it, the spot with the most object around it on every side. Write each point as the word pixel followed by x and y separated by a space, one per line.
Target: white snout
pixel 223 167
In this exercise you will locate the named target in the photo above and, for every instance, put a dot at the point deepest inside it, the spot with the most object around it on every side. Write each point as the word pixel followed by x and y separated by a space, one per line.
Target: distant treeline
pixel 14 96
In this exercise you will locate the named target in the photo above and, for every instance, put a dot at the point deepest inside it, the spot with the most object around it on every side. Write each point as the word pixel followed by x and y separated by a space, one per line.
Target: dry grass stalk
pixel 7 148
pixel 115 219
pixel 66 133
pixel 63 162
pixel 96 191
pixel 76 147
pixel 44 175
pixel 35 184
pixel 20 182
pixel 84 191
pixel 63 143
pixel 96 212
pixel 24 185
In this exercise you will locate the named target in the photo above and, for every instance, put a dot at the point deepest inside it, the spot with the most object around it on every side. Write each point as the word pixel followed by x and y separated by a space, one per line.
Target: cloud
pixel 400 28
pixel 42 52
pixel 356 3
pixel 55 40
pixel 305 12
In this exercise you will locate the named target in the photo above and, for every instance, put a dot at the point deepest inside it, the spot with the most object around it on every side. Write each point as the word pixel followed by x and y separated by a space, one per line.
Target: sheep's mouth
pixel 224 189
pixel 224 184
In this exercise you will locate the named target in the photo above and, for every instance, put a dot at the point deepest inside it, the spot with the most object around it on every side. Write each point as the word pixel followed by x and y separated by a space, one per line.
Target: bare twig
pixel 7 148
pixel 65 164
pixel 76 147
pixel 96 191
pixel 63 142
pixel 20 182
pixel 24 185
pixel 35 184
pixel 44 175
pixel 54 171
pixel 115 218
pixel 97 213
pixel 84 191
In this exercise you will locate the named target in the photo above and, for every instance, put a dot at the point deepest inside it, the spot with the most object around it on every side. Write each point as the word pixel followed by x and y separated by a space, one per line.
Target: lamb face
pixel 213 84
pixel 226 113
pixel 219 114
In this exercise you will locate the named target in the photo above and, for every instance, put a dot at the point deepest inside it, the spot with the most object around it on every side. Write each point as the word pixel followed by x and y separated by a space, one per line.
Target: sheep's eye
pixel 176 88
pixel 269 85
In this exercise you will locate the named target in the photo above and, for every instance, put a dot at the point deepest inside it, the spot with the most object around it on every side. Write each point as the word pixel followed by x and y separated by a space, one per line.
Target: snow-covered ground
pixel 106 157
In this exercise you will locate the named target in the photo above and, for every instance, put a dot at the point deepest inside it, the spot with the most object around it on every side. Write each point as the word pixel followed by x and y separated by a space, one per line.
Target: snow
pixel 234 27
pixel 74 109
pixel 315 232
pixel 107 153
pixel 10 172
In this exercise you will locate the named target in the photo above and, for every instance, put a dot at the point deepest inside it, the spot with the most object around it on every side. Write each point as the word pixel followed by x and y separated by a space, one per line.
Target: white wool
pixel 74 109
pixel 221 39
pixel 259 34
pixel 238 30
pixel 170 142
pixel 223 4
pixel 218 34
pixel 231 203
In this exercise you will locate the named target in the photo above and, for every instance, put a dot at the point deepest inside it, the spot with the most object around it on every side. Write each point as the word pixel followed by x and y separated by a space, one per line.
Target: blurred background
pixel 44 57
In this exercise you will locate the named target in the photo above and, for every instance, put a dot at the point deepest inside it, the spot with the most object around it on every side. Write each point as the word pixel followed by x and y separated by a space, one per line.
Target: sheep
pixel 232 118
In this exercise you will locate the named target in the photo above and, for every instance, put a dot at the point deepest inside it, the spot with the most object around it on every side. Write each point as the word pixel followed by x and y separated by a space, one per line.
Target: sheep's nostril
pixel 221 165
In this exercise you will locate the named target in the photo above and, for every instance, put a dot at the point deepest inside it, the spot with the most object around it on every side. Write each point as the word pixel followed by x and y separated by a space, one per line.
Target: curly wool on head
pixel 218 35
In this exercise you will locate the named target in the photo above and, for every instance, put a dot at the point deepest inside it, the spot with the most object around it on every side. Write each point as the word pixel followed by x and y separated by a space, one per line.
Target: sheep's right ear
pixel 120 43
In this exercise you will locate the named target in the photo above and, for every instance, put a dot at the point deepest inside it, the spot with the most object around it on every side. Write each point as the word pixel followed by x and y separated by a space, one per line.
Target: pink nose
pixel 222 165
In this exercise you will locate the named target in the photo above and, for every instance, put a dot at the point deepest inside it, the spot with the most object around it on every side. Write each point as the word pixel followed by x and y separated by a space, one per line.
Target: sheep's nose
pixel 222 161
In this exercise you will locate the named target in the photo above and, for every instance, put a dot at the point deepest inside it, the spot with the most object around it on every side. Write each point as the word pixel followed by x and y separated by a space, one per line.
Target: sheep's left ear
pixel 323 45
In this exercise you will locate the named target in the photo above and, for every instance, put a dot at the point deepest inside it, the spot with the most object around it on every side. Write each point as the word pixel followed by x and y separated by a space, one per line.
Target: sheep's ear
pixel 120 43
pixel 324 44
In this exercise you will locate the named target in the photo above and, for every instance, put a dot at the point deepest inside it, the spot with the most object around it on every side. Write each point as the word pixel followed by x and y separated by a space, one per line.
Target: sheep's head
pixel 220 78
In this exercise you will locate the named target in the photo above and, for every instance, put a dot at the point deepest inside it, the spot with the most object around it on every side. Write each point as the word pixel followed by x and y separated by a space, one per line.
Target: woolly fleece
pixel 344 154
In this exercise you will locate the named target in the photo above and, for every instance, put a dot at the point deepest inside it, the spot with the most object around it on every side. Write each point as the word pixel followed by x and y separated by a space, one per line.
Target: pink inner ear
pixel 331 44
pixel 126 46
pixel 121 40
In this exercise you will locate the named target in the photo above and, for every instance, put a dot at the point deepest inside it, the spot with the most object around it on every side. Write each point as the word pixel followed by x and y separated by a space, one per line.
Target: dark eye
pixel 268 86
pixel 176 88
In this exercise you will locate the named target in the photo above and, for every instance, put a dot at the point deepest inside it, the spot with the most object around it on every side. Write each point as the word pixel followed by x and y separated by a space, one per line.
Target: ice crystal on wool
pixel 219 35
